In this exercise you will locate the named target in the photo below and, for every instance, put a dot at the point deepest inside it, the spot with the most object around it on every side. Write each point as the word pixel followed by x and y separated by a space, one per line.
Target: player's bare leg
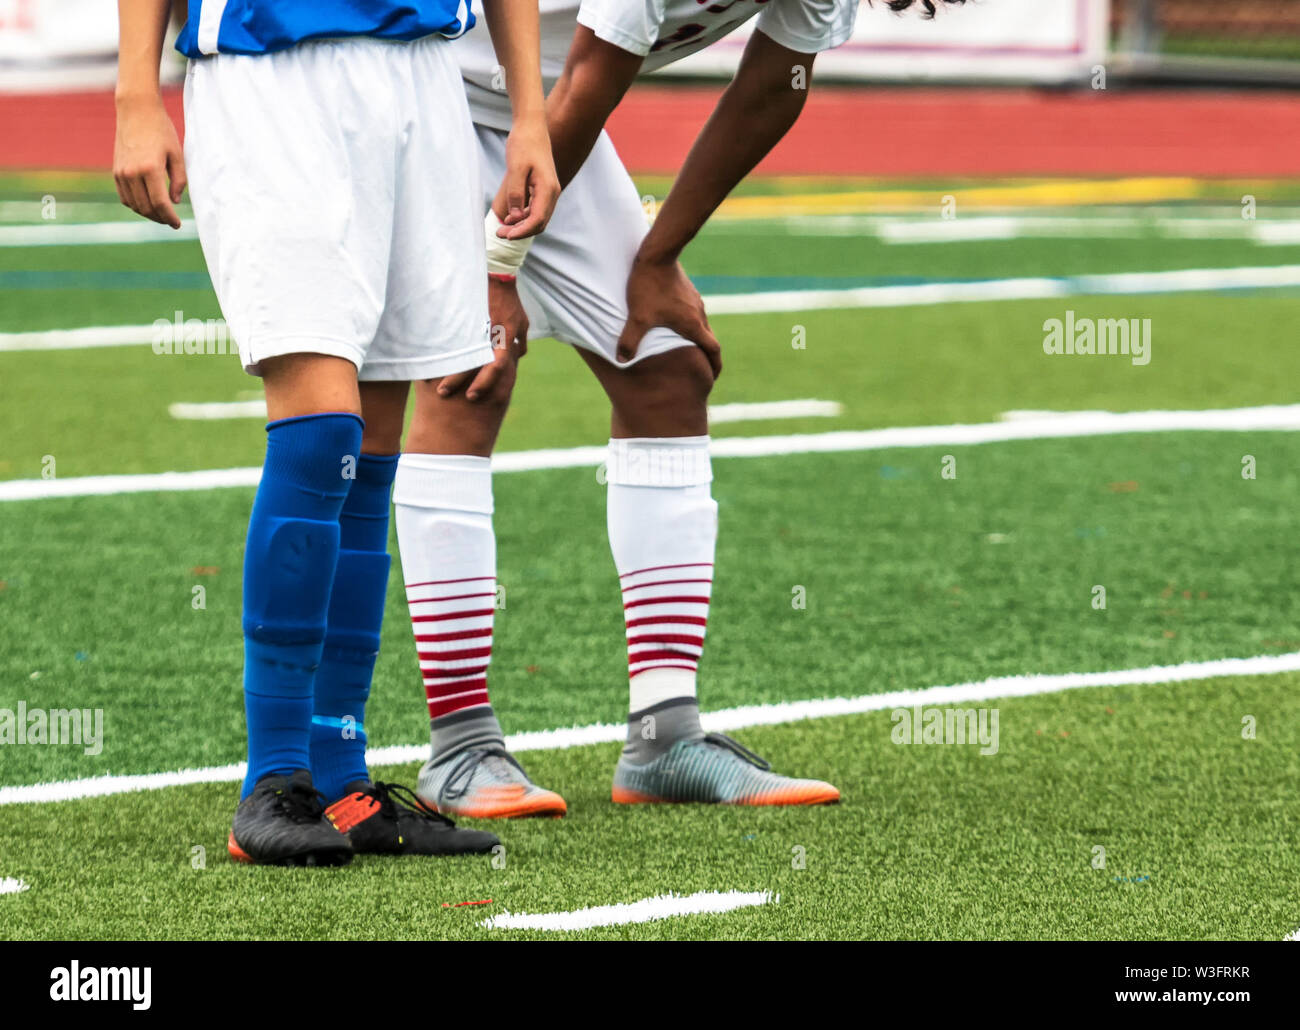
pixel 309 384
pixel 444 524
pixel 662 531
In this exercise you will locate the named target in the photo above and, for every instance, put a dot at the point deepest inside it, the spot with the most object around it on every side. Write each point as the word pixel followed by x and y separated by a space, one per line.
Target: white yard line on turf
pixel 78 339
pixel 661 906
pixel 720 721
pixel 36 232
pixel 1178 281
pixel 10 885
pixel 52 234
pixel 39 211
pixel 718 413
pixel 168 482
pixel 762 411
pixel 212 411
pixel 1013 227
pixel 1200 222
pixel 1294 935
pixel 1277 234
pixel 1017 426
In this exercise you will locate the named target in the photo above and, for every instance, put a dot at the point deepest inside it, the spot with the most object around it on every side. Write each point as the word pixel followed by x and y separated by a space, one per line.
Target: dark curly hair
pixel 903 5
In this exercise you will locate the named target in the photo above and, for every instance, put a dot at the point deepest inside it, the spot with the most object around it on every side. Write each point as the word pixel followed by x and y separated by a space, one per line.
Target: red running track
pixel 886 131
pixel 937 132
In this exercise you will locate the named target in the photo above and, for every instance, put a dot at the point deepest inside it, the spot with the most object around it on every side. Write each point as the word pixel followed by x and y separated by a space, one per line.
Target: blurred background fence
pixel 1208 40
pixel 71 44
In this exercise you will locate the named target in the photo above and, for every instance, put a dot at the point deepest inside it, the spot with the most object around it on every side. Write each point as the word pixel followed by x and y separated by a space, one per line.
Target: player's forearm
pixel 755 112
pixel 142 25
pixel 513 25
pixel 595 77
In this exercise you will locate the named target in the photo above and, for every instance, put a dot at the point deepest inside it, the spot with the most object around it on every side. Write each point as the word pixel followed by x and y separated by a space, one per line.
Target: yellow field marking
pixel 1033 194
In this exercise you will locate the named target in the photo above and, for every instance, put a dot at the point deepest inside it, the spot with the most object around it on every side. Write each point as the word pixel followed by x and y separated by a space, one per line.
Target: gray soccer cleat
pixel 472 774
pixel 692 766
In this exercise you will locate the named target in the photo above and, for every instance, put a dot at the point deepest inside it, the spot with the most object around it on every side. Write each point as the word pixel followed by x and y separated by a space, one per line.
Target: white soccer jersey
pixel 661 31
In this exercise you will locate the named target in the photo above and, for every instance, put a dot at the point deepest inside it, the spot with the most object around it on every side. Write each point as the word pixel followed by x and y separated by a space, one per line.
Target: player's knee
pixel 678 379
pixel 695 375
pixel 456 424
pixel 666 395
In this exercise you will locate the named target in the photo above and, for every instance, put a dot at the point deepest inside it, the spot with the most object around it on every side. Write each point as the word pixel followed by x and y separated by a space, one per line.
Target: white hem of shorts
pixel 650 350
pixel 279 346
pixel 396 370
pixel 412 369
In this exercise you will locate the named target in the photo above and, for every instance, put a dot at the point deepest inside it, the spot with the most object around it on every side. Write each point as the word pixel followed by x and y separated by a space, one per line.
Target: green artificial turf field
pixel 911 580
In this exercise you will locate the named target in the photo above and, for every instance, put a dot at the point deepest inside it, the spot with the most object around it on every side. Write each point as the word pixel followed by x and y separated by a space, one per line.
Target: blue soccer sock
pixel 356 613
pixel 289 562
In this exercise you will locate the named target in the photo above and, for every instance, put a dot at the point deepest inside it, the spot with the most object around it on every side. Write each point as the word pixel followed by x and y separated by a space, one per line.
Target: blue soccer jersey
pixel 263 26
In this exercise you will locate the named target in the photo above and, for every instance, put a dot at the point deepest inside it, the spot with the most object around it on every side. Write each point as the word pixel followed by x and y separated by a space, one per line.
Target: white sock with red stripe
pixel 663 524
pixel 444 532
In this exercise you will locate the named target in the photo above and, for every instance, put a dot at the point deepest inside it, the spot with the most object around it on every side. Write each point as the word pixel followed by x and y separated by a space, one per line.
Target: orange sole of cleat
pixel 553 807
pixel 236 852
pixel 830 796
pixel 623 796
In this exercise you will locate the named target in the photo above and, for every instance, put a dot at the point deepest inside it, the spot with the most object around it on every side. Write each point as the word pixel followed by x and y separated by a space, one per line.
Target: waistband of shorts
pixel 335 42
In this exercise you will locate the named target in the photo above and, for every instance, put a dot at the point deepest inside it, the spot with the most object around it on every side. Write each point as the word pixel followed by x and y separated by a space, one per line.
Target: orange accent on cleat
pixel 813 793
pixel 347 812
pixel 236 852
pixel 623 796
pixel 508 801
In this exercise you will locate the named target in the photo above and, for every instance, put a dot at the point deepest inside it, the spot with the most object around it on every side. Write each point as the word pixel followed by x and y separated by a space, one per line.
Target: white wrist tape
pixel 504 257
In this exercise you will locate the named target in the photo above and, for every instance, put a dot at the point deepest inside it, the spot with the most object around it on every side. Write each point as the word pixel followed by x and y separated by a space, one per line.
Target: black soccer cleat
pixel 283 823
pixel 388 819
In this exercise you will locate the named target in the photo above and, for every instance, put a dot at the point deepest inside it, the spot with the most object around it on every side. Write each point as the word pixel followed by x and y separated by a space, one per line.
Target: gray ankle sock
pixel 459 731
pixel 652 731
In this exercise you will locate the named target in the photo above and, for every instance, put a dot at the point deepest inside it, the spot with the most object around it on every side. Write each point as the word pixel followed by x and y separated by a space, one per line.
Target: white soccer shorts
pixel 336 192
pixel 574 282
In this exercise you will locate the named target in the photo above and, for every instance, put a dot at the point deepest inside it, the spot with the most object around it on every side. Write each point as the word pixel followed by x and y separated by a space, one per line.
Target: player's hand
pixel 146 156
pixel 530 188
pixel 509 344
pixel 660 294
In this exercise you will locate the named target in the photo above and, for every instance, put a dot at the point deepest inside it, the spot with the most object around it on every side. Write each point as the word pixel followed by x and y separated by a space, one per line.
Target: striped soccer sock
pixel 448 548
pixel 663 526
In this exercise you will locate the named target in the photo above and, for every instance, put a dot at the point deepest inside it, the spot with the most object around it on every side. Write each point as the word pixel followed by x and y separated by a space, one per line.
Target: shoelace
pixel 300 803
pixel 391 795
pixel 722 740
pixel 462 773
